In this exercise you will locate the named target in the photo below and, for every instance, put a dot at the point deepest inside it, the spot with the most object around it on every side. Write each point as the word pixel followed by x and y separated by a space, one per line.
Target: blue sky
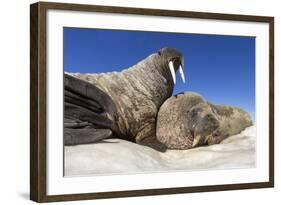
pixel 220 68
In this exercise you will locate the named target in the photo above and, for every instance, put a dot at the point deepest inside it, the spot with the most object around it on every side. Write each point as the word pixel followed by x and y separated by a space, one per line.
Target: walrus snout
pixel 207 125
pixel 204 129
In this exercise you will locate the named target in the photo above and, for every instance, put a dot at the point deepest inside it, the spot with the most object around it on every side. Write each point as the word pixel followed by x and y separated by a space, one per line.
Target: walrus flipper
pixel 85 136
pixel 89 113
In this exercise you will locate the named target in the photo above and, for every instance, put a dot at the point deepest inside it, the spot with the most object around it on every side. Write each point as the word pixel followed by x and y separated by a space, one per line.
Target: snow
pixel 116 156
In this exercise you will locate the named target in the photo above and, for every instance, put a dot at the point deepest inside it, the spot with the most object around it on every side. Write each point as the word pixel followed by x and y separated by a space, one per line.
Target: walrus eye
pixel 197 110
pixel 194 113
pixel 208 116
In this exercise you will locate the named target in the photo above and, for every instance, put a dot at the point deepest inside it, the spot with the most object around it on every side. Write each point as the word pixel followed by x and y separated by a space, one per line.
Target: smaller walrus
pixel 187 120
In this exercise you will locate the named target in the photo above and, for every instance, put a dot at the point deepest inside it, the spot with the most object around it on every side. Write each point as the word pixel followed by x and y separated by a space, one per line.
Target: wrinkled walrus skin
pixel 137 94
pixel 187 120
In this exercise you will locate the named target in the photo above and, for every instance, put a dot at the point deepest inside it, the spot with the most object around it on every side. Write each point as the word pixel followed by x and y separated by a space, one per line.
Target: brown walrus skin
pixel 187 120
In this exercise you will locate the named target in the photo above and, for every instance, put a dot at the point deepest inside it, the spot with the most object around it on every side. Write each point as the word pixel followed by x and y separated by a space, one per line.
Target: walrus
pixel 132 100
pixel 187 120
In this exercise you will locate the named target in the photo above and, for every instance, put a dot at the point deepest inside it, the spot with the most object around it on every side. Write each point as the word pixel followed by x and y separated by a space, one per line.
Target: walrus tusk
pixel 196 140
pixel 182 74
pixel 172 70
pixel 207 138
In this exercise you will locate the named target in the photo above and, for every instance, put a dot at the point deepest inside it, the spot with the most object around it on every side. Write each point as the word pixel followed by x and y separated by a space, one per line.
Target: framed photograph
pixel 134 102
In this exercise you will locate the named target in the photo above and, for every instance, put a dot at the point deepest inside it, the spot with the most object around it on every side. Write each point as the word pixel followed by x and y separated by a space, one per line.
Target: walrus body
pixel 187 120
pixel 136 93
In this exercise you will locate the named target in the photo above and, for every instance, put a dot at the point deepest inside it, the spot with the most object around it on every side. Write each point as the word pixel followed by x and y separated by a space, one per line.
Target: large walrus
pixel 187 120
pixel 124 104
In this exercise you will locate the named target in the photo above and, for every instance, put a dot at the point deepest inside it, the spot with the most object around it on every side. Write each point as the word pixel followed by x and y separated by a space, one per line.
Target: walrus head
pixel 175 62
pixel 185 121
pixel 203 124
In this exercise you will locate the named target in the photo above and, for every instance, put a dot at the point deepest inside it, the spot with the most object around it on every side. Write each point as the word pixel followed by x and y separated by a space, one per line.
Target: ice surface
pixel 116 156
